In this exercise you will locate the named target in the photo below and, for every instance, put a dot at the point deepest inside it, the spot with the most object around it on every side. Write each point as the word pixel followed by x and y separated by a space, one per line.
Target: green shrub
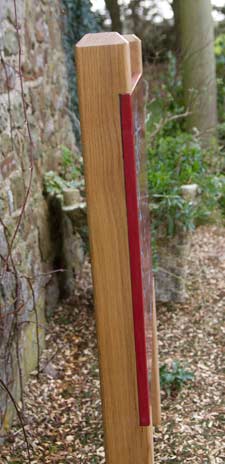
pixel 221 198
pixel 54 184
pixel 174 162
pixel 176 158
pixel 220 64
pixel 69 175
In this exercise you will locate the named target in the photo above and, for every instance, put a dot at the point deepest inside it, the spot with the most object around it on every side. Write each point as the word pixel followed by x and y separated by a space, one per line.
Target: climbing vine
pixel 10 312
pixel 16 310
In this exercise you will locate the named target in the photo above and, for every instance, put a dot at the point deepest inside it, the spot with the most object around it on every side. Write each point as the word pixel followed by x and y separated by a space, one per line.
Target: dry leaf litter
pixel 63 408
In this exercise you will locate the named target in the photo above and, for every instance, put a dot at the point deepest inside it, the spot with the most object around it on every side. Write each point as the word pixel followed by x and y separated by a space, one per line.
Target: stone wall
pixel 25 279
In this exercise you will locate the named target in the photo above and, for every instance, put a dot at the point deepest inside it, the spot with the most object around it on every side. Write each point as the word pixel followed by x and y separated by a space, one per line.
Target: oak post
pixel 105 68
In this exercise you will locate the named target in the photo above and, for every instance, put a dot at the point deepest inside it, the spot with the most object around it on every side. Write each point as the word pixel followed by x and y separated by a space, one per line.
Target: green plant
pixel 176 158
pixel 221 198
pixel 173 162
pixel 55 185
pixel 172 379
pixel 219 48
pixel 69 169
pixel 68 177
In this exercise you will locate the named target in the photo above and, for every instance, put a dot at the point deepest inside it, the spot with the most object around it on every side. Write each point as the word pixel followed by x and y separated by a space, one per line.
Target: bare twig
pixel 162 123
pixel 8 96
pixel 5 388
pixel 31 144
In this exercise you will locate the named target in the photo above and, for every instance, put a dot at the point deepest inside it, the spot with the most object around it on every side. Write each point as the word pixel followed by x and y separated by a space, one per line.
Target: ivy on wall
pixel 78 19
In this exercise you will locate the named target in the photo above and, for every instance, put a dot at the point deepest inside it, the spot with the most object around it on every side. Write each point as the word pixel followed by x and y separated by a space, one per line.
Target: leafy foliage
pixel 68 177
pixel 220 64
pixel 176 158
pixel 55 184
pixel 172 379
pixel 69 169
pixel 173 163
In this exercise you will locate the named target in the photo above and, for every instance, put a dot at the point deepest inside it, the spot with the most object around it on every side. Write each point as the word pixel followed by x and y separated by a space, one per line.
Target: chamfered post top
pixel 103 50
pixel 135 54
pixel 101 39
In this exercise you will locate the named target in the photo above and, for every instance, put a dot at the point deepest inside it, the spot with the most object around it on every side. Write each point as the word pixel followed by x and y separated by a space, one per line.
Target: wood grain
pixel 104 72
pixel 155 383
pixel 135 55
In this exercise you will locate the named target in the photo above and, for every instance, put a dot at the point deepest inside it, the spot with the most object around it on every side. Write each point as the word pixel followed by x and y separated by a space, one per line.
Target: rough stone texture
pixel 34 253
pixel 73 250
pixel 11 46
pixel 67 230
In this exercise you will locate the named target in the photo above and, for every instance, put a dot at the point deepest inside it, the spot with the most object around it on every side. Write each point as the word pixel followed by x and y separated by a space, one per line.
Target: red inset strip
pixel 135 256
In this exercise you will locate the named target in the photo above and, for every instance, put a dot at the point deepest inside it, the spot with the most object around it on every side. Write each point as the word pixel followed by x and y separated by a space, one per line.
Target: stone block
pixel 73 256
pixel 11 46
pixel 7 11
pixel 18 113
pixel 28 358
pixel 51 294
pixel 39 61
pixel 45 245
pixel 3 242
pixel 53 30
pixel 64 133
pixel 34 63
pixel 49 129
pixel 4 203
pixel 29 37
pixel 7 78
pixel 41 30
pixel 7 297
pixel 6 145
pixel 18 189
pixel 10 200
pixel 4 117
pixel 8 165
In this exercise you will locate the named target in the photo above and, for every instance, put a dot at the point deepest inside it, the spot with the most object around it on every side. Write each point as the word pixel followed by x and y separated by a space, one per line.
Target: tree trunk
pixel 176 13
pixel 113 8
pixel 198 64
pixel 134 6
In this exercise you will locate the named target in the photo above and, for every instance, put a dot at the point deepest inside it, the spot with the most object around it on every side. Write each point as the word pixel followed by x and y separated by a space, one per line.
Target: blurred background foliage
pixel 177 155
pixel 77 20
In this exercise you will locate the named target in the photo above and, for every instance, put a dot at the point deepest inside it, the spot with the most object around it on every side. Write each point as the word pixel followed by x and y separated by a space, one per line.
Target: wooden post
pixel 108 66
pixel 155 381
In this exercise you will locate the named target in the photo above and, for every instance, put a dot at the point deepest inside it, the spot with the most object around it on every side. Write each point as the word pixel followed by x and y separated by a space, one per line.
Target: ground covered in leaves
pixel 63 408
